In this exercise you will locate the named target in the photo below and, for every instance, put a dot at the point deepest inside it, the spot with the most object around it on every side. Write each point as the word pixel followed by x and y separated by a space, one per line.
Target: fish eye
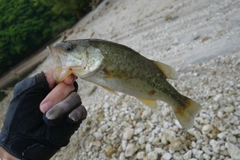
pixel 68 47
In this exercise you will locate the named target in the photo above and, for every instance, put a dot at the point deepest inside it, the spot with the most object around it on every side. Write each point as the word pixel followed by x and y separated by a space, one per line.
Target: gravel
pixel 200 39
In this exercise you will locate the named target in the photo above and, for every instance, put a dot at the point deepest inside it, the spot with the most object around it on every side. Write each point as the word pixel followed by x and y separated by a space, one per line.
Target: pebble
pixel 152 156
pixel 188 154
pixel 215 145
pixel 169 135
pixel 166 111
pixel 138 130
pixel 207 150
pixel 130 150
pixel 176 145
pixel 146 113
pixel 217 97
pixel 124 145
pixel 128 134
pixel 166 156
pixel 122 156
pixel 229 109
pixel 140 155
pixel 158 150
pixel 233 151
pixel 222 135
pixel 98 136
pixel 207 128
pixel 237 113
pixel 197 153
pixel 177 156
pixel 110 151
pixel 148 147
pixel 141 140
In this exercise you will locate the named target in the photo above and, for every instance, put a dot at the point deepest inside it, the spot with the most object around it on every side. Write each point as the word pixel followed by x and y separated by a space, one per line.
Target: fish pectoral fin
pixel 167 70
pixel 116 74
pixel 148 102
pixel 185 113
pixel 110 90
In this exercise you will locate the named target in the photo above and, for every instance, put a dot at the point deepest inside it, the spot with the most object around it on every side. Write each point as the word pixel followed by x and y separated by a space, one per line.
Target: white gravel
pixel 200 39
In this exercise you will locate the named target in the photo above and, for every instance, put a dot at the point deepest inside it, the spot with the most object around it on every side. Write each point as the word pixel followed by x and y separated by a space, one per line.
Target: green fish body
pixel 117 67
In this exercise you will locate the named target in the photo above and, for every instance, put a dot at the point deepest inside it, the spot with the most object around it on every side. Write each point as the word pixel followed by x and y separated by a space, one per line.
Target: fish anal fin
pixel 186 113
pixel 148 102
pixel 110 90
pixel 167 70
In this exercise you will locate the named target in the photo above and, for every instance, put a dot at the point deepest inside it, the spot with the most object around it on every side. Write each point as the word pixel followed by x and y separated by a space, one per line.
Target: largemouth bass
pixel 116 67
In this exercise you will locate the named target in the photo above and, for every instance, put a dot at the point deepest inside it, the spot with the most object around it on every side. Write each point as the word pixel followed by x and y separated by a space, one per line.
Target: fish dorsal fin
pixel 167 70
pixel 148 102
pixel 110 90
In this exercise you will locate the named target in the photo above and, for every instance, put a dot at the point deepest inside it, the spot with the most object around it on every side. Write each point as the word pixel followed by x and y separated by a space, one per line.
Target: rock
pixel 152 156
pixel 148 147
pixel 222 135
pixel 229 109
pixel 232 138
pixel 177 156
pixel 122 156
pixel 188 155
pixel 215 146
pixel 98 136
pixel 237 113
pixel 156 141
pixel 217 97
pixel 109 152
pixel 97 144
pixel 169 135
pixel 215 132
pixel 158 150
pixel 138 130
pixel 165 111
pixel 233 151
pixel 130 150
pixel 235 132
pixel 140 155
pixel 176 145
pixel 231 83
pixel 206 157
pixel 207 129
pixel 166 156
pixel 206 150
pixel 146 113
pixel 124 145
pixel 197 153
pixel 128 134
pixel 141 140
pixel 195 35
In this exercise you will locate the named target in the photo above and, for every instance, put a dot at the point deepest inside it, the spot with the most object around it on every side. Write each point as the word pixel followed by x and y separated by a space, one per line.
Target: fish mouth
pixel 61 71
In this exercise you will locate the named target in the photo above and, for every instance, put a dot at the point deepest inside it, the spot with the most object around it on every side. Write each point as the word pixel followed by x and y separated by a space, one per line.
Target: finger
pixel 64 107
pixel 59 93
pixel 70 79
pixel 50 78
pixel 51 81
pixel 78 114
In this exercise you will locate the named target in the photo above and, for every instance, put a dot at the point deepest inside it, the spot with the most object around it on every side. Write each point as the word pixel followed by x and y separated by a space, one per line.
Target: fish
pixel 118 68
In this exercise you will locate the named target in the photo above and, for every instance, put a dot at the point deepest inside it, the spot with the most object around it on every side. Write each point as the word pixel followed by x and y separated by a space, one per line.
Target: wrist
pixel 4 155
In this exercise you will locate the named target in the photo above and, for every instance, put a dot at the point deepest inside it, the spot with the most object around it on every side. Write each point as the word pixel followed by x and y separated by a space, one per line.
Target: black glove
pixel 27 132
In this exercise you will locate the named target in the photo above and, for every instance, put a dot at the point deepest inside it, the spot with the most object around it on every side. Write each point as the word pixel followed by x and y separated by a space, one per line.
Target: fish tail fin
pixel 186 111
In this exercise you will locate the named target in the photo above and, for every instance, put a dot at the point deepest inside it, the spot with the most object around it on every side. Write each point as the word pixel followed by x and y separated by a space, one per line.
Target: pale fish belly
pixel 134 87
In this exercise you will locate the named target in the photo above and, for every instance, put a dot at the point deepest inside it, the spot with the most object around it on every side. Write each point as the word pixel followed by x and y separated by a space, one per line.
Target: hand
pixel 27 132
